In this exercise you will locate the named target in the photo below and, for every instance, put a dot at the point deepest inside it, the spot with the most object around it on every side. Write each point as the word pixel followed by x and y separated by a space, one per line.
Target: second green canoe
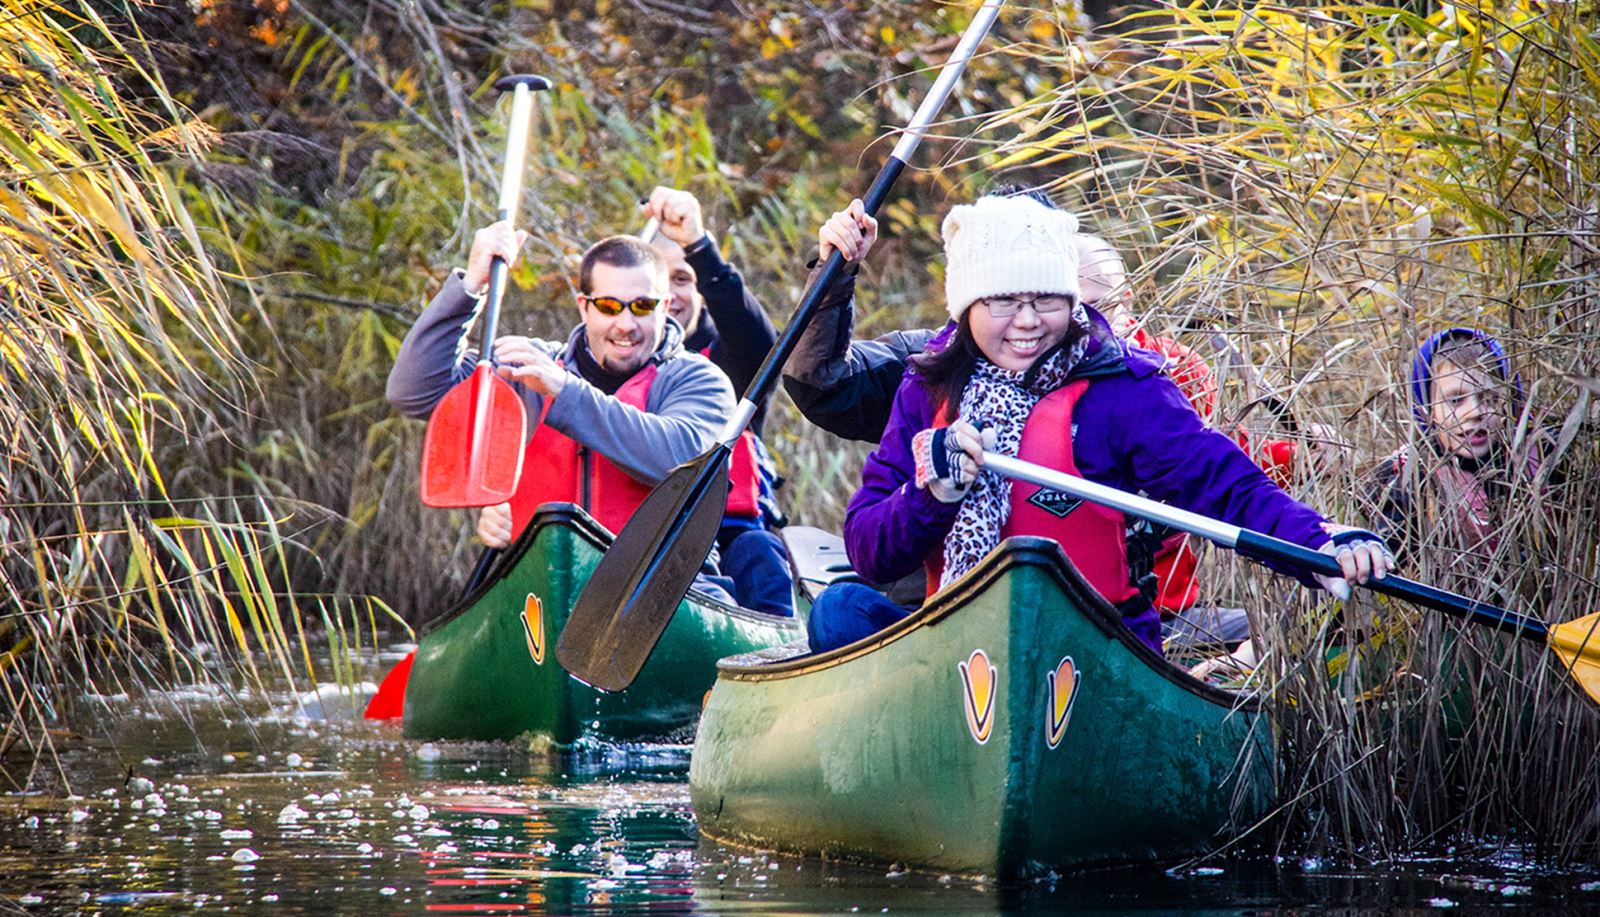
pixel 486 668
pixel 1010 727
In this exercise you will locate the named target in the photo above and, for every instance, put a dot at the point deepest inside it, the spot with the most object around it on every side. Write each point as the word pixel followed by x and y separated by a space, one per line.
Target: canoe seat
pixel 818 558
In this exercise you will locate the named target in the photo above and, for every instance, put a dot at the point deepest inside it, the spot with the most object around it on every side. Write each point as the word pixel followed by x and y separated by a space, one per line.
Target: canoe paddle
pixel 472 452
pixel 639 582
pixel 1577 642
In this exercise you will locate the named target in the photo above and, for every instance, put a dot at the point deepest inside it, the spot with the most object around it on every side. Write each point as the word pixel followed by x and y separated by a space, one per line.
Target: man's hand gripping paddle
pixel 638 584
pixel 1576 642
pixel 472 454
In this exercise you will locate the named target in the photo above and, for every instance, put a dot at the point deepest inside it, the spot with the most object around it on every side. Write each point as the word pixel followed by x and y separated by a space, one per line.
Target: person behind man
pixel 724 321
pixel 721 318
pixel 1026 362
pixel 613 410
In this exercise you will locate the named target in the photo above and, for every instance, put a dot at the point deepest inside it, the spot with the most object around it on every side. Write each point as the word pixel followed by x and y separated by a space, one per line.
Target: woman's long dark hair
pixel 947 371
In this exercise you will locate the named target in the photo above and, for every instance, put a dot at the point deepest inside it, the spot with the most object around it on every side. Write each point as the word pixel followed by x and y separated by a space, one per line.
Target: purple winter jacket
pixel 1133 430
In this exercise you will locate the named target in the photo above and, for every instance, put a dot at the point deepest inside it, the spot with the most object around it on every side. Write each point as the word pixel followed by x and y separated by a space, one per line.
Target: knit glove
pixel 943 467
pixel 1346 542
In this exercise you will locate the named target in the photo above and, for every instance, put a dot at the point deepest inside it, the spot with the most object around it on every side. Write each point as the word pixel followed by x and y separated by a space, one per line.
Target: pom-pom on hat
pixel 1004 245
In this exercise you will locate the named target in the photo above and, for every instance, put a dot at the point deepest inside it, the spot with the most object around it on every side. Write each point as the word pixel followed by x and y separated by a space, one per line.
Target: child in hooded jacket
pixel 1461 477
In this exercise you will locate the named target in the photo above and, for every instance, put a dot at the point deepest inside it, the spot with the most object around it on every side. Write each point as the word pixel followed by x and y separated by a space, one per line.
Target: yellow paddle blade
pixel 1578 644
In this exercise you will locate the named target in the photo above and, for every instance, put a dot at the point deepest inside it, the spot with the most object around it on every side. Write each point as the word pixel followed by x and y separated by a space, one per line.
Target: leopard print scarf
pixel 1001 399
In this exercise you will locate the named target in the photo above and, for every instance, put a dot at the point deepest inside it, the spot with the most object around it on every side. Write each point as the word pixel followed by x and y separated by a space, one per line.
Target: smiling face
pixel 623 343
pixel 1015 341
pixel 687 302
pixel 1465 409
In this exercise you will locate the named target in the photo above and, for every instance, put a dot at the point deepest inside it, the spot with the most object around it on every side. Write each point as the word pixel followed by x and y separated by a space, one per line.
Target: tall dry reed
pixel 1310 193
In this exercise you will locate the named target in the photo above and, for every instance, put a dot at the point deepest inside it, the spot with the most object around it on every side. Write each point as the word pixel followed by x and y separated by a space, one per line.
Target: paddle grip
pixel 491 308
pixel 1266 547
pixel 522 86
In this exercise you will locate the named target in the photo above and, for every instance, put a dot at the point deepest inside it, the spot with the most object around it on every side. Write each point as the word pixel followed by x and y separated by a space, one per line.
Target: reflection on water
pixel 205 800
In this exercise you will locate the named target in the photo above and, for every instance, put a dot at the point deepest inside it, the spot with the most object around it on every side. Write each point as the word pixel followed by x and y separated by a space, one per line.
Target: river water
pixel 201 799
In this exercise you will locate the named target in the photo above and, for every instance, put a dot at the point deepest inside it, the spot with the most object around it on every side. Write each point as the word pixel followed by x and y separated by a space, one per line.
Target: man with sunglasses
pixel 613 409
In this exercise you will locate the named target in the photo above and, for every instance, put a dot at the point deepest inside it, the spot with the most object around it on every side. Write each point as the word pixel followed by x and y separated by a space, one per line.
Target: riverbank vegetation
pixel 220 217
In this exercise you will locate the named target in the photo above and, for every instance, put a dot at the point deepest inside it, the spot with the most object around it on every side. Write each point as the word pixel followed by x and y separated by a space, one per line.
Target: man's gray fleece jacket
pixel 686 408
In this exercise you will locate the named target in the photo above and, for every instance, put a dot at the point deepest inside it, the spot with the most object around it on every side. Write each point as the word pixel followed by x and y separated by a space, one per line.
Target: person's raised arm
pixel 847 387
pixel 428 364
pixel 745 333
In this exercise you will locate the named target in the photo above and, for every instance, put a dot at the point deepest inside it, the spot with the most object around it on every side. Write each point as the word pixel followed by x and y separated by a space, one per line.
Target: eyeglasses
pixel 643 307
pixel 1007 306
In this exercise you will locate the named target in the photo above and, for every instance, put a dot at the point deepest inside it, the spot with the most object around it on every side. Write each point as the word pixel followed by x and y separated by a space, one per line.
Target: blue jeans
pixel 847 612
pixel 754 567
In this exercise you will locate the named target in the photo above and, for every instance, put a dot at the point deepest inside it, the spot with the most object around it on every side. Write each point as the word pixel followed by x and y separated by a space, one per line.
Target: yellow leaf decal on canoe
pixel 979 679
pixel 1063 683
pixel 533 627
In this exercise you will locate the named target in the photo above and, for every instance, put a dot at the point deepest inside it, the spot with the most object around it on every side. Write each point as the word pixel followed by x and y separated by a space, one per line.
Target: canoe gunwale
pixel 572 516
pixel 1014 552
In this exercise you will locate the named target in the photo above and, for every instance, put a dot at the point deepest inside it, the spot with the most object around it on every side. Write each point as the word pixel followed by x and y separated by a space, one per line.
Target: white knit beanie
pixel 1003 245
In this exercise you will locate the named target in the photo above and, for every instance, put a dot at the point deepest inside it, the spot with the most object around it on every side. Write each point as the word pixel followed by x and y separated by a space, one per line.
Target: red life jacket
pixel 557 469
pixel 1094 537
pixel 1175 564
pixel 744 477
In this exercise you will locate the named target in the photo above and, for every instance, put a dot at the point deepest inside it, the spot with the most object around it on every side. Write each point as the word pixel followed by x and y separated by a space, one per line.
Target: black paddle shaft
pixel 634 590
pixel 1265 547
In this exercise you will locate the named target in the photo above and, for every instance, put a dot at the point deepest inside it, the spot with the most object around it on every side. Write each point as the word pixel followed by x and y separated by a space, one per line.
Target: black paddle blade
pixel 648 569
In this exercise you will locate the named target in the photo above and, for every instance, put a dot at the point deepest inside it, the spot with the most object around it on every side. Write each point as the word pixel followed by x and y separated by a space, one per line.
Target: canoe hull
pixel 1011 727
pixel 486 669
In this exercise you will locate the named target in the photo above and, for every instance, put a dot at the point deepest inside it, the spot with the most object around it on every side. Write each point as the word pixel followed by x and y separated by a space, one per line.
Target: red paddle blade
pixel 390 701
pixel 472 454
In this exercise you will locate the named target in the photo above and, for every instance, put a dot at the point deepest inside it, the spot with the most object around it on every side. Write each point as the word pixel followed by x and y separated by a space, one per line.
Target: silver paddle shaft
pixel 1170 516
pixel 945 83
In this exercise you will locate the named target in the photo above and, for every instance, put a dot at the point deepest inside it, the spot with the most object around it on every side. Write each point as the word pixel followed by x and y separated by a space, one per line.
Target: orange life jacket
pixel 557 469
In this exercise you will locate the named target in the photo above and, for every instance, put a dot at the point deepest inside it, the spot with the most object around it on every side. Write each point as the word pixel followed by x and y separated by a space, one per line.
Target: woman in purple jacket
pixel 1030 371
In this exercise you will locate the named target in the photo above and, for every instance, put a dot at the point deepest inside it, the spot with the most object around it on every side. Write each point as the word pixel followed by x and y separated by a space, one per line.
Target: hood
pixel 1422 370
pixel 1109 355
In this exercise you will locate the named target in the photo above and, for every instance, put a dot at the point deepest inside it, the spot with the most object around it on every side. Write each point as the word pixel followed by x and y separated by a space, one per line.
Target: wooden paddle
pixel 472 452
pixel 1577 642
pixel 638 584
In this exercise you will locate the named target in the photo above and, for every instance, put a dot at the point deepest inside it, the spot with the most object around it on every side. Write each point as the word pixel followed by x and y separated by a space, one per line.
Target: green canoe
pixel 486 668
pixel 1010 727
